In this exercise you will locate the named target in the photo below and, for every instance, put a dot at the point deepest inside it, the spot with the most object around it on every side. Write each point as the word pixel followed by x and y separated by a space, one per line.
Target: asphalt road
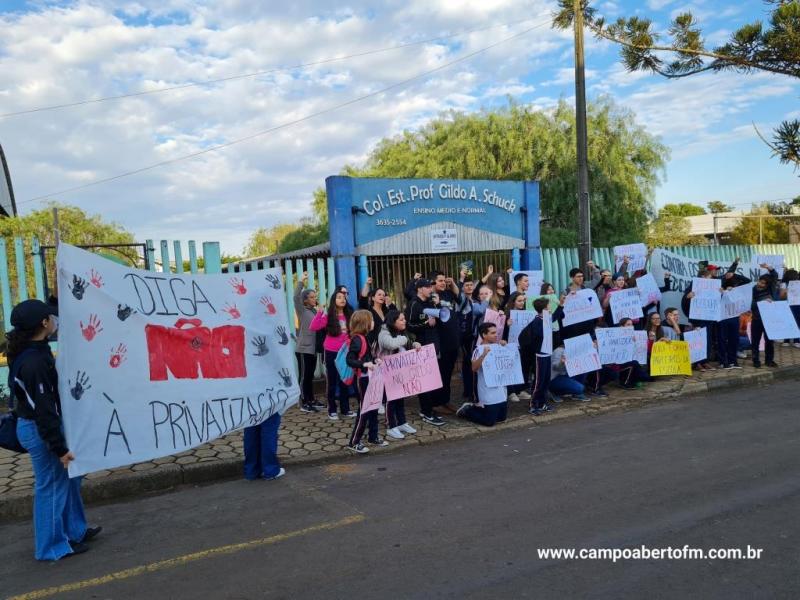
pixel 466 519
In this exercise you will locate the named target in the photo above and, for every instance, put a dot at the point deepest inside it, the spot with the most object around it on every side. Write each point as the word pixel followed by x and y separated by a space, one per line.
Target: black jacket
pixel 37 374
pixel 532 335
pixel 768 293
pixel 417 322
pixel 356 350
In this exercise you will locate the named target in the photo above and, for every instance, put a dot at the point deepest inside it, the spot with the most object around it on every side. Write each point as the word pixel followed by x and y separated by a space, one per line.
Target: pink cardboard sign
pixel 373 397
pixel 412 372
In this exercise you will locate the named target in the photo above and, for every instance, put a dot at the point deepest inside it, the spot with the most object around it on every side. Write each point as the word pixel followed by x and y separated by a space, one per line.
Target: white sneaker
pixel 524 396
pixel 394 433
pixel 512 397
pixel 406 428
pixel 333 416
pixel 741 354
pixel 280 474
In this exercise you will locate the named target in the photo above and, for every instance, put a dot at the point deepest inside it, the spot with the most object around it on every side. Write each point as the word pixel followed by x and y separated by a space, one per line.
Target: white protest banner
pixel 547 332
pixel 615 345
pixel 637 253
pixel 648 289
pixel 152 364
pixel 698 344
pixel 373 396
pixel 625 303
pixel 640 352
pixel 705 306
pixel 778 320
pixel 736 301
pixel 502 366
pixel 519 320
pixel 411 372
pixel 793 293
pixel 682 269
pixel 582 356
pixel 581 306
pixel 534 284
pixel 499 320
pixel 776 261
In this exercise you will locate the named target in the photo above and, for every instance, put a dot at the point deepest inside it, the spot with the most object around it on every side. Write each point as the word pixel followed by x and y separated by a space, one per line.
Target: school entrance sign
pixel 386 217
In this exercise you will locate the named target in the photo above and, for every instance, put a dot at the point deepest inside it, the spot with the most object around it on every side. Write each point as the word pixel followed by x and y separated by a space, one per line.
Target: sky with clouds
pixel 55 52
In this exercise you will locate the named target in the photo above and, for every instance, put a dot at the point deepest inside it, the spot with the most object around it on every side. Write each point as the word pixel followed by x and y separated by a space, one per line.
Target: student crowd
pixel 450 314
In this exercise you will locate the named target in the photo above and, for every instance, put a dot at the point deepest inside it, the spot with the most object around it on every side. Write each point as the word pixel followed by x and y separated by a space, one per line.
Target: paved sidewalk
pixel 313 437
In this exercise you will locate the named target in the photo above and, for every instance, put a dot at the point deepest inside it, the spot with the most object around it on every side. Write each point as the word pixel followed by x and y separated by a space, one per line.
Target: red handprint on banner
pixel 91 330
pixel 118 356
pixel 95 279
pixel 232 311
pixel 238 286
pixel 267 302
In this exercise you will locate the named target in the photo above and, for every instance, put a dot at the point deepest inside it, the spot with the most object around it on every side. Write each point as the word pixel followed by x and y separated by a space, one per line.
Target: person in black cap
pixel 425 331
pixel 58 521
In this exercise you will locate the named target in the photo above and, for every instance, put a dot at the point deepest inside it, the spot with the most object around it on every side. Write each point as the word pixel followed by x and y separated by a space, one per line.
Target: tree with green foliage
pixel 774 48
pixel 684 209
pixel 764 230
pixel 265 242
pixel 716 207
pixel 520 143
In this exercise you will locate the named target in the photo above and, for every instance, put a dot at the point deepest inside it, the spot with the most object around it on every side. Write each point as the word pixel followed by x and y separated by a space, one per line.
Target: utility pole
pixel 56 231
pixel 584 210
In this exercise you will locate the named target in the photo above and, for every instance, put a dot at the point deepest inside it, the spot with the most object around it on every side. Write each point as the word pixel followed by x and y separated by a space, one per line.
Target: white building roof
pixel 704 224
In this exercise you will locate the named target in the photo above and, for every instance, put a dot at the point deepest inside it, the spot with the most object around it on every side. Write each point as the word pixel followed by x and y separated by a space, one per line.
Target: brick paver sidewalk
pixel 312 436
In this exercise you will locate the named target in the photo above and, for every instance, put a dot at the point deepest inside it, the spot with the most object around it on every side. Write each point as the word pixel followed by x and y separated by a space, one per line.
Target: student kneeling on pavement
pixel 493 406
pixel 561 384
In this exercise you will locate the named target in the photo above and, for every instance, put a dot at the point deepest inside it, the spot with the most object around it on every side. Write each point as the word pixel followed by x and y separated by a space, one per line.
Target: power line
pixel 255 73
pixel 288 123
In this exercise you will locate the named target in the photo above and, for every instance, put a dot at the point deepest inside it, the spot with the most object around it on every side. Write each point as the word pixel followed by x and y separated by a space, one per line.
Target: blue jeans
pixel 565 385
pixel 57 506
pixel 261 449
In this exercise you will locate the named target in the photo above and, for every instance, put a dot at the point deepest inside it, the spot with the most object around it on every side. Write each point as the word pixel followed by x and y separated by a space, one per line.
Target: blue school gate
pixel 371 217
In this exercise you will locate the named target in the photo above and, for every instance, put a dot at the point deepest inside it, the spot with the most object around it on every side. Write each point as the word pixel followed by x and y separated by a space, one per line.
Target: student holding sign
pixel 728 328
pixel 790 290
pixel 392 339
pixel 517 302
pixel 58 521
pixel 764 290
pixel 359 358
pixel 536 342
pixel 709 322
pixel 493 406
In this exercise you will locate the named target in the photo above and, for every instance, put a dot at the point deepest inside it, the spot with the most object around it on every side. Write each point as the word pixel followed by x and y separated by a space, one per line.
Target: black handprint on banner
pixel 281 331
pixel 273 281
pixel 124 311
pixel 78 287
pixel 286 377
pixel 81 385
pixel 260 343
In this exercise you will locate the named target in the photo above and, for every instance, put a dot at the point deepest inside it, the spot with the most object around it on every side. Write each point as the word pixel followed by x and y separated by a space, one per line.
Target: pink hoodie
pixel 333 344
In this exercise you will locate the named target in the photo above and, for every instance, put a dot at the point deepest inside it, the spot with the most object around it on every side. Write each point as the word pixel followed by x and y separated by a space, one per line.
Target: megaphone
pixel 443 314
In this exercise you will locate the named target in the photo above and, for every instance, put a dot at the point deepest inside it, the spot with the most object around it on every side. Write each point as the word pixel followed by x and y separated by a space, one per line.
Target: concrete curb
pixel 126 485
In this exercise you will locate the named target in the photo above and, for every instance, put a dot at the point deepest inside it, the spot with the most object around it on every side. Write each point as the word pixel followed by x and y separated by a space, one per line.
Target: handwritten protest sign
pixel 412 372
pixel 670 358
pixel 615 345
pixel 778 320
pixel 519 320
pixel 682 269
pixel 698 344
pixel 640 351
pixel 547 332
pixel 648 289
pixel 581 306
pixel 626 304
pixel 535 279
pixel 776 261
pixel 582 356
pixel 502 366
pixel 705 306
pixel 793 292
pixel 152 364
pixel 637 254
pixel 373 397
pixel 736 301
pixel 498 318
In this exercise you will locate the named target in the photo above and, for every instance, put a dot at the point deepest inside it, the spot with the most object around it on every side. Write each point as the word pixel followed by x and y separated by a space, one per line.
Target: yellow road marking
pixel 185 559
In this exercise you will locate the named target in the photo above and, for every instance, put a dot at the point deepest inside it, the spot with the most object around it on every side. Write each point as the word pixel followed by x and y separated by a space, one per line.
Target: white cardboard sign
pixel 581 306
pixel 698 344
pixel 626 303
pixel 582 356
pixel 778 320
